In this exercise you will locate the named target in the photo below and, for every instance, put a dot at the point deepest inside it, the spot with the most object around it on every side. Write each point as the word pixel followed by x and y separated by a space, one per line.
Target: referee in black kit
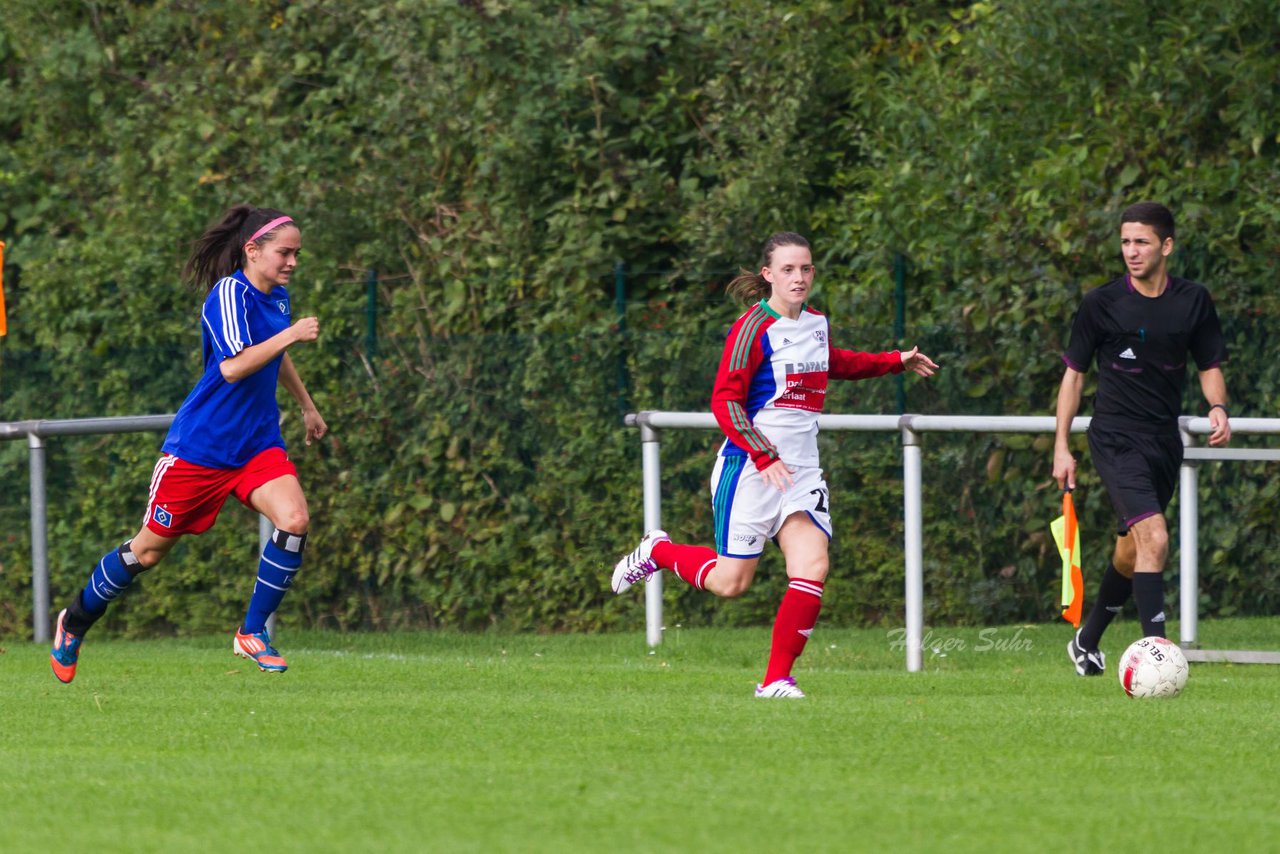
pixel 1140 329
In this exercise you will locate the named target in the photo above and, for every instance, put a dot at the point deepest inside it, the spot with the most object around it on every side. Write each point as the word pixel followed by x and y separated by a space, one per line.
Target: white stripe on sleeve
pixel 233 317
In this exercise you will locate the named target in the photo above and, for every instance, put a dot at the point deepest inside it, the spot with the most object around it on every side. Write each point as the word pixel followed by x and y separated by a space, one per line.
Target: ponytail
pixel 748 287
pixel 752 287
pixel 219 252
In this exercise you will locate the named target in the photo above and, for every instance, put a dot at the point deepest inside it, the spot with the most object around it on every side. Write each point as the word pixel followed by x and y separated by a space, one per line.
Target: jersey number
pixel 821 506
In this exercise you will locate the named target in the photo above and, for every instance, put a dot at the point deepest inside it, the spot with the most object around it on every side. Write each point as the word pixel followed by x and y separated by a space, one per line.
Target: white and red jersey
pixel 772 384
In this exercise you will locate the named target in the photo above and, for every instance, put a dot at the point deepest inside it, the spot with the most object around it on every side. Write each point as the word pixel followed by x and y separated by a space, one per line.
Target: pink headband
pixel 275 223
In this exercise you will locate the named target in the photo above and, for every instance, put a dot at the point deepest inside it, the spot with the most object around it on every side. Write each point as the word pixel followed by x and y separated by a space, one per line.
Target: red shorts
pixel 186 498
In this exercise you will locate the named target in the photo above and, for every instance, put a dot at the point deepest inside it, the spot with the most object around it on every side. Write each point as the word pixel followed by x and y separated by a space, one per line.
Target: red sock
pixel 797 615
pixel 691 563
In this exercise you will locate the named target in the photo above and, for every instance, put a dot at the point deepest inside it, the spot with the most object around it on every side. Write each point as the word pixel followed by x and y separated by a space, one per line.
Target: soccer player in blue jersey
pixel 226 437
pixel 767 483
pixel 1140 329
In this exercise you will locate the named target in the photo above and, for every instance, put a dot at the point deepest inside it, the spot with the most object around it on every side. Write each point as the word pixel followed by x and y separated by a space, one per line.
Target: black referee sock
pixel 1113 592
pixel 1148 593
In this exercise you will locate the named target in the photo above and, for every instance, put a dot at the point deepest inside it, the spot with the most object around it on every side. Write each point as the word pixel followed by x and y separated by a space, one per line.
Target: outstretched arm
pixel 855 365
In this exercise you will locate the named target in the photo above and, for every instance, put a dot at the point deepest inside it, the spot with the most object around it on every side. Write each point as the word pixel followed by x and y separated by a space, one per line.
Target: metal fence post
pixel 649 450
pixel 35 432
pixel 39 542
pixel 1188 547
pixel 265 528
pixel 913 545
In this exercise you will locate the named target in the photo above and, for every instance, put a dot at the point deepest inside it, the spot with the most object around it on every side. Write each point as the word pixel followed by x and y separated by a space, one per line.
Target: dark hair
pixel 752 287
pixel 1153 214
pixel 219 252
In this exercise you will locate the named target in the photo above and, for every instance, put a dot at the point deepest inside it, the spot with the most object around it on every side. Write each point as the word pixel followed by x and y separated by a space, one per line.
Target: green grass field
pixel 445 742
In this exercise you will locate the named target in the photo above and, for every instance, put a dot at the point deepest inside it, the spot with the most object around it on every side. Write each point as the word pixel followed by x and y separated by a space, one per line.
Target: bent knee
pixel 812 571
pixel 729 584
pixel 733 588
pixel 296 521
pixel 1155 542
pixel 148 558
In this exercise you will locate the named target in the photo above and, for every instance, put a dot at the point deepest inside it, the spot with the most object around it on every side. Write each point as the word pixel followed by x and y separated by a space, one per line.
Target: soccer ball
pixel 1153 667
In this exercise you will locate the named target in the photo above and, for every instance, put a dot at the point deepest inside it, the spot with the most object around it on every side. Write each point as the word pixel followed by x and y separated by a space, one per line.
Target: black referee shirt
pixel 1141 346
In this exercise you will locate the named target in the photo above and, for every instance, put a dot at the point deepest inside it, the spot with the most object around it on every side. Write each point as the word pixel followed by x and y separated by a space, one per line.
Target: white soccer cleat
pixel 784 688
pixel 638 565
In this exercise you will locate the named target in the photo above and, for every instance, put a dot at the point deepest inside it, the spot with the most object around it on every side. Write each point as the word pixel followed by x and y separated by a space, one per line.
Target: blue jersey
pixel 220 424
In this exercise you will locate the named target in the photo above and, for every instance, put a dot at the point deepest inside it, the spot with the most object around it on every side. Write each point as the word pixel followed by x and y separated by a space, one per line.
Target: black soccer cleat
pixel 1088 662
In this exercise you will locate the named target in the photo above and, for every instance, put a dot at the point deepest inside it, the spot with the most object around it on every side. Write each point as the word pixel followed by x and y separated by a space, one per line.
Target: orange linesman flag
pixel 1066 533
pixel 4 325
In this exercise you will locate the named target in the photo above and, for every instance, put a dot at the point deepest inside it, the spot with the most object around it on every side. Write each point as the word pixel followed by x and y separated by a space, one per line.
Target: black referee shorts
pixel 1139 470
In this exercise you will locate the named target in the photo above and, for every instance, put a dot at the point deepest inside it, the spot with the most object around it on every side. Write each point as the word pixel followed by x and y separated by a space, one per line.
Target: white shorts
pixel 748 511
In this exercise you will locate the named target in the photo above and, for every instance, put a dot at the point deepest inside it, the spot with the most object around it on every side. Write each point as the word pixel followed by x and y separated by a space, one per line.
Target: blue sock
pixel 281 557
pixel 110 578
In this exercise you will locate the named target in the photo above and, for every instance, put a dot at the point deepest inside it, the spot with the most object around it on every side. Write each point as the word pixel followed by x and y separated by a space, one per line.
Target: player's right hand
pixel 1064 469
pixel 778 475
pixel 306 329
pixel 914 360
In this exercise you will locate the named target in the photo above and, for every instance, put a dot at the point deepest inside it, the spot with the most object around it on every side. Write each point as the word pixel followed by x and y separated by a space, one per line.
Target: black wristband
pixel 1221 406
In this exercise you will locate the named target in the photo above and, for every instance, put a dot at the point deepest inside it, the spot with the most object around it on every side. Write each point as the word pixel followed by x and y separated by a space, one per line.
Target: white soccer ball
pixel 1153 667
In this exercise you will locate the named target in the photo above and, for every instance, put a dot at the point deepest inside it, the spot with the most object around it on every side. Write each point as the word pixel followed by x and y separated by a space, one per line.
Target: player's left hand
pixel 914 360
pixel 316 428
pixel 1221 424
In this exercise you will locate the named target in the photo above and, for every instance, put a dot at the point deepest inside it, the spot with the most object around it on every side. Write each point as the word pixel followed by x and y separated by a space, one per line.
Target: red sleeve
pixel 853 365
pixel 742 357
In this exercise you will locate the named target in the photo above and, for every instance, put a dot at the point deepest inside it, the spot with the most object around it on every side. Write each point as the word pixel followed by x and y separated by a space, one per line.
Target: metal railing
pixel 911 429
pixel 35 433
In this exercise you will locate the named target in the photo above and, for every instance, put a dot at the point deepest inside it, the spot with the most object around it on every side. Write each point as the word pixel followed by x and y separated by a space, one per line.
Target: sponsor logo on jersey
pixel 806 387
pixel 805 368
pixel 162 517
pixel 1128 353
pixel 786 341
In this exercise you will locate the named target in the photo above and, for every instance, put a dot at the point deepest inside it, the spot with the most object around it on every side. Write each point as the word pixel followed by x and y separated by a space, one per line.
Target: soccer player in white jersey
pixel 226 437
pixel 767 484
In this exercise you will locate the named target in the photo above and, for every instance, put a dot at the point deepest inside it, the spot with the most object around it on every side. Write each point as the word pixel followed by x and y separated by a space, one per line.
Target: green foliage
pixel 1002 158
pixel 494 161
